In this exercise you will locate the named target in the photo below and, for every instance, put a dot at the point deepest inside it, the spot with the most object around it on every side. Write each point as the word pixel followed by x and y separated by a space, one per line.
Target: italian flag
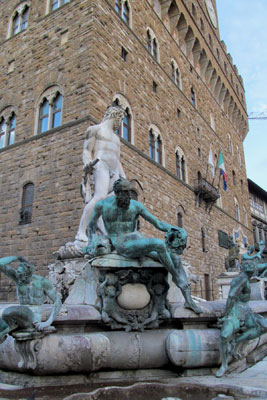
pixel 222 170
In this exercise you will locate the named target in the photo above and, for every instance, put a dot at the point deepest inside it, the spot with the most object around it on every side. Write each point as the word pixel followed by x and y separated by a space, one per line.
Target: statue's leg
pixel 256 325
pixel 101 178
pixel 143 247
pixel 18 317
pixel 225 336
pixel 183 284
pixel 189 302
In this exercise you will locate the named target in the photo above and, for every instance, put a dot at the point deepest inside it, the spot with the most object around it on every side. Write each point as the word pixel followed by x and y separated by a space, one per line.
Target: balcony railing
pixel 206 190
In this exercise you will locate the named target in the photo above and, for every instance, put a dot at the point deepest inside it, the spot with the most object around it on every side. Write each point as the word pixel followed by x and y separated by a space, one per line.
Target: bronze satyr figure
pixel 32 292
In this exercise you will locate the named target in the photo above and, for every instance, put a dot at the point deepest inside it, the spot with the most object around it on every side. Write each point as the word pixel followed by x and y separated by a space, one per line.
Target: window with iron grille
pixel 27 204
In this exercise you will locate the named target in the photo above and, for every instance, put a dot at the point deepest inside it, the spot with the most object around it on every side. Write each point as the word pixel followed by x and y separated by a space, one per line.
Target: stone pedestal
pixel 131 294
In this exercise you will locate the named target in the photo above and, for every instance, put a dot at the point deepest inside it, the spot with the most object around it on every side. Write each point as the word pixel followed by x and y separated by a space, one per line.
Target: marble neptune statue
pixel 32 292
pixel 120 214
pixel 101 162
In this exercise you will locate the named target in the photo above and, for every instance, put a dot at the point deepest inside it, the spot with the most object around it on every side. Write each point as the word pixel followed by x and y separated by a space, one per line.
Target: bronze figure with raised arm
pixel 239 323
pixel 32 292
pixel 120 214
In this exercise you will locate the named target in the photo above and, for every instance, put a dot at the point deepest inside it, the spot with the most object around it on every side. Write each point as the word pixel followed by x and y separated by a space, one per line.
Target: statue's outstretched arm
pixel 248 257
pixel 4 267
pixel 161 225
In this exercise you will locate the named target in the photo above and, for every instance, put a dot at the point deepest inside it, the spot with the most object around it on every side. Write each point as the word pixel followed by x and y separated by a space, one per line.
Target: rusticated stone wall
pixel 78 47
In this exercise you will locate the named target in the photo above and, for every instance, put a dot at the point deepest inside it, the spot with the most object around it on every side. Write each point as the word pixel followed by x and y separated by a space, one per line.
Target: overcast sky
pixel 243 28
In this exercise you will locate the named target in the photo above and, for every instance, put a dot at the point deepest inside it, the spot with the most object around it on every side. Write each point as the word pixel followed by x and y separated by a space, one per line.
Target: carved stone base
pixel 132 293
pixel 28 344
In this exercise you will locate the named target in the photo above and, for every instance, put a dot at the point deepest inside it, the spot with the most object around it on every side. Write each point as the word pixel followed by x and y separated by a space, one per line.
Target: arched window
pixel 234 178
pixel 152 44
pixel 159 150
pixel 122 7
pixel 231 150
pixel 155 145
pixel 210 41
pixel 179 220
pixel 175 74
pixel 15 25
pixel 126 128
pixel 238 156
pixel 55 4
pixel 118 6
pixel 7 127
pixel 151 145
pixel 126 13
pixel 26 204
pixel 237 213
pixel 19 21
pixel 148 41
pixel 11 130
pixel 194 12
pixel 193 97
pixel 44 115
pixel 180 165
pixel 155 49
pixel 2 133
pixel 56 110
pixel 49 113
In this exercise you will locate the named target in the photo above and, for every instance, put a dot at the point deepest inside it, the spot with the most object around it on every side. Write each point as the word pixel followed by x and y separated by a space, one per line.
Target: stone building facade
pixel 62 63
pixel 258 211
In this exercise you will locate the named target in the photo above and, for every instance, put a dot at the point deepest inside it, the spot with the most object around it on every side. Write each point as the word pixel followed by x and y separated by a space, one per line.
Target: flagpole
pixel 219 181
pixel 214 177
pixel 216 167
pixel 207 171
pixel 210 162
